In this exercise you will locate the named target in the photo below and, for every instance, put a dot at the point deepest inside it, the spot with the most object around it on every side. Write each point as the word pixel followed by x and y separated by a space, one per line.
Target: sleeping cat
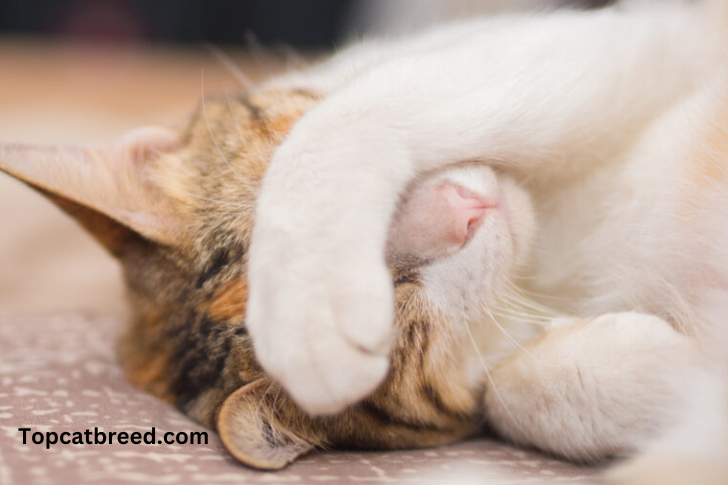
pixel 177 210
pixel 519 220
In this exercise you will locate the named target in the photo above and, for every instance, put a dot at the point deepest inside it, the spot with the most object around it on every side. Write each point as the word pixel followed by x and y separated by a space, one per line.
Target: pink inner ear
pixel 437 219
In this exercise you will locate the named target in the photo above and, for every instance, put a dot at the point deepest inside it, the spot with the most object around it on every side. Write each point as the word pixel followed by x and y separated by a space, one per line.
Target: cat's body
pixel 623 154
pixel 571 170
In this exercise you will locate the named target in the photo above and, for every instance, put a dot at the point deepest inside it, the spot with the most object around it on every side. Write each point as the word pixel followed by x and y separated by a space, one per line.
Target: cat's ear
pixel 263 430
pixel 109 189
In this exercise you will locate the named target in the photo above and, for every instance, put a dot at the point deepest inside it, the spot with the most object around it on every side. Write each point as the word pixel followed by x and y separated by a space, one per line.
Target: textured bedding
pixel 59 374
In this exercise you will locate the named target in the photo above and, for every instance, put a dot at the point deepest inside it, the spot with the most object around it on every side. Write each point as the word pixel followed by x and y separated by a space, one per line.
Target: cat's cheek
pixel 520 218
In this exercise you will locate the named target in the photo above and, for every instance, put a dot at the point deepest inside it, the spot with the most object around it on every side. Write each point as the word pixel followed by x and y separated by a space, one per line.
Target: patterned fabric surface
pixel 59 374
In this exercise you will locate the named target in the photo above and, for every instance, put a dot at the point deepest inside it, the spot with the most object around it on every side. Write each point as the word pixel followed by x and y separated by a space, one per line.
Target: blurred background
pixel 88 70
pixel 309 23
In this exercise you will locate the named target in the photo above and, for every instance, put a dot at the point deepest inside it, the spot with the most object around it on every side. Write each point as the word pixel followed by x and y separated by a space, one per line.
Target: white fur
pixel 595 115
pixel 601 387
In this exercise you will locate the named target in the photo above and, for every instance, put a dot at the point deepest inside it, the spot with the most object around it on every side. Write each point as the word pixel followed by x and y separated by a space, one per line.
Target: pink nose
pixel 461 212
pixel 437 219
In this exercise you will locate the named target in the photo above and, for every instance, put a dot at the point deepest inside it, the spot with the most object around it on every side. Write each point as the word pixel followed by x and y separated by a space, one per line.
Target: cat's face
pixel 178 211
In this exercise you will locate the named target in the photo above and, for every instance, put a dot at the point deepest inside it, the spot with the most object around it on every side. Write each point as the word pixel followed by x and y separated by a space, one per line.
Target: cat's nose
pixel 438 219
pixel 462 212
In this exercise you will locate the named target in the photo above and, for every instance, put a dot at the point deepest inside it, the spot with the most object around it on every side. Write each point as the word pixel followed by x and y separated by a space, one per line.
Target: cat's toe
pixel 328 375
pixel 321 369
pixel 327 340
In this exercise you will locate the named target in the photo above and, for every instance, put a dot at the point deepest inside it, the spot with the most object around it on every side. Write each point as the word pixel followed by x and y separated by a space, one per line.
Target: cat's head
pixel 177 210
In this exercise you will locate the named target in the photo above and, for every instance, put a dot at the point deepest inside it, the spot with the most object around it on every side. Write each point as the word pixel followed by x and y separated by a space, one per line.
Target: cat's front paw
pixel 321 297
pixel 322 329
pixel 593 388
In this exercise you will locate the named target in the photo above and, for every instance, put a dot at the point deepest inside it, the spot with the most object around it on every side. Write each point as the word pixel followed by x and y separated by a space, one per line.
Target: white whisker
pixel 212 136
pixel 489 377
pixel 262 398
pixel 223 202
pixel 254 46
pixel 225 60
pixel 517 296
pixel 510 337
pixel 295 59
pixel 521 317
pixel 237 122
pixel 485 366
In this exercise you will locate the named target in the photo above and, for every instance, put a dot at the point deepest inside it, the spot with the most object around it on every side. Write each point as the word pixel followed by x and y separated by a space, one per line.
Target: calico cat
pixel 177 210
pixel 519 220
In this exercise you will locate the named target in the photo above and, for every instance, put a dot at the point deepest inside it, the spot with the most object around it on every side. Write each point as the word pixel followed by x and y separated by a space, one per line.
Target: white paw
pixel 595 388
pixel 324 336
pixel 321 303
pixel 321 298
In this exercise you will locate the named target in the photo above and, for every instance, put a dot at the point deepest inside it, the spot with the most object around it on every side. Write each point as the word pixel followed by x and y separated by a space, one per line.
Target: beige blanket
pixel 59 374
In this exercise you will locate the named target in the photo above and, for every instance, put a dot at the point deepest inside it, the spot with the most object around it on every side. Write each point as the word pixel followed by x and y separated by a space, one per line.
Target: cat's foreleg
pixel 595 388
pixel 531 94
pixel 692 449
